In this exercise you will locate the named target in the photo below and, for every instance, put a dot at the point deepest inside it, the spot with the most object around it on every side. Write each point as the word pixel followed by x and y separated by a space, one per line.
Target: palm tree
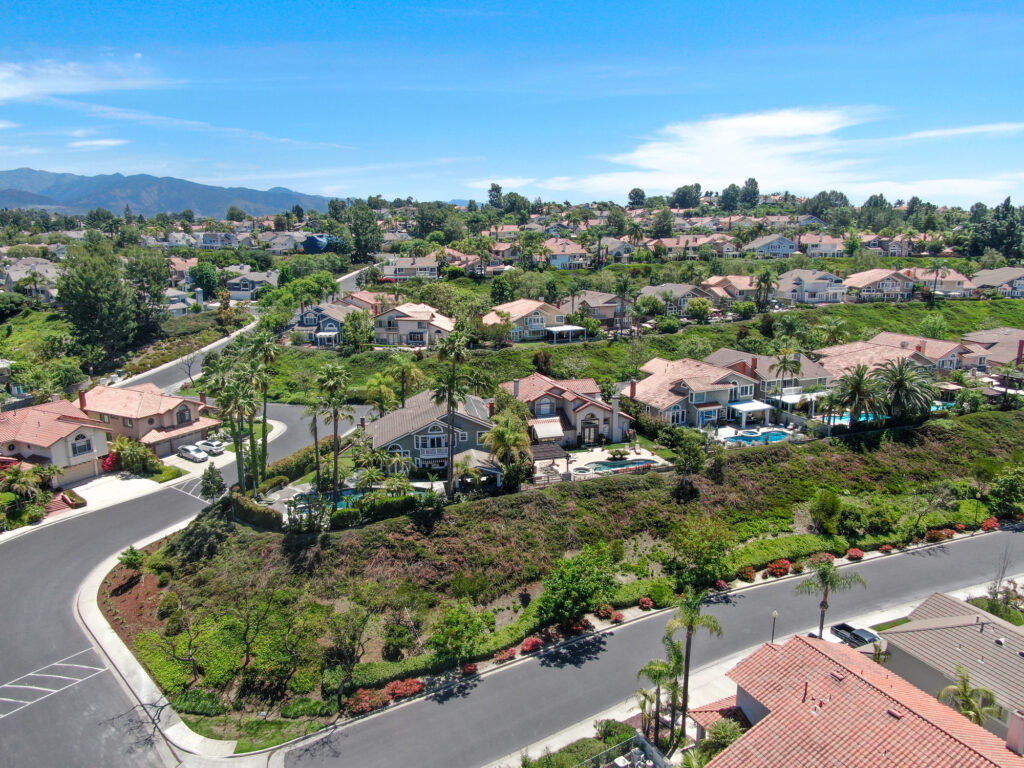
pixel 834 330
pixel 906 386
pixel 315 411
pixel 689 618
pixel 480 382
pixel 764 284
pixel 380 394
pixel 976 704
pixel 332 383
pixel 572 292
pixel 825 580
pixel 788 364
pixel 232 400
pixel 634 232
pixel 622 292
pixel 406 373
pixel 259 377
pixel 675 656
pixel 23 483
pixel 507 440
pixel 940 270
pixel 369 477
pixel 263 348
pixel 859 393
pixel 657 673
pixel 451 391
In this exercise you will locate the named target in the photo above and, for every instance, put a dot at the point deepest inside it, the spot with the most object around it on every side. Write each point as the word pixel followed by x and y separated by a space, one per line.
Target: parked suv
pixel 192 453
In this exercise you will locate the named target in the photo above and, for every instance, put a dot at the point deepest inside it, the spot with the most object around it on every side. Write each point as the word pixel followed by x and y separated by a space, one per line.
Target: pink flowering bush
pixel 604 612
pixel 721 585
pixel 960 527
pixel 532 644
pixel 989 524
pixel 618 618
pixel 778 568
pixel 886 549
pixel 855 554
pixel 364 701
pixel 403 689
pixel 646 604
pixel 469 669
pixel 821 557
pixel 507 655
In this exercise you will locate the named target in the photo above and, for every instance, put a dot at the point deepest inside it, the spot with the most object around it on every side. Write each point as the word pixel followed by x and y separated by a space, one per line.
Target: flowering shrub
pixel 363 701
pixel 403 689
pixel 469 669
pixel 604 612
pixel 989 524
pixel 798 566
pixel 821 557
pixel 778 568
pixel 961 527
pixel 532 644
pixel 948 533
pixel 886 549
pixel 746 573
pixel 935 535
pixel 618 618
pixel 646 604
pixel 507 655
pixel 550 634
pixel 578 627
pixel 721 585
pixel 111 463
pixel 855 554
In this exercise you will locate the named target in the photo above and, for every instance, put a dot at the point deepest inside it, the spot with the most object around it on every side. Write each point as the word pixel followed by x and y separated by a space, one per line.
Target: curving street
pixel 59 706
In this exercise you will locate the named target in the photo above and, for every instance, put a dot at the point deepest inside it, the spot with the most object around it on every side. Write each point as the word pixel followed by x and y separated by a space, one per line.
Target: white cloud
pixel 800 149
pixel 510 183
pixel 97 143
pixel 7 124
pixel 48 78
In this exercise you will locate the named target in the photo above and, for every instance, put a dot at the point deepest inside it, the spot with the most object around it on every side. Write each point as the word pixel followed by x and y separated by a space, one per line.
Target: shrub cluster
pixel 403 689
pixel 646 604
pixel 605 612
pixel 196 702
pixel 506 655
pixel 532 645
pixel 306 708
pixel 746 573
pixel 989 524
pixel 364 701
pixel 854 554
pixel 248 511
pixel 271 483
pixel 778 568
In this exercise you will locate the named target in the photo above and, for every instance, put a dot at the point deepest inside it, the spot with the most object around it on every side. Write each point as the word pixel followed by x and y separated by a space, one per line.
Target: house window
pixel 110 436
pixel 105 418
pixel 677 415
pixel 480 437
pixel 184 415
pixel 463 437
pixel 545 407
pixel 699 397
pixel 127 422
pixel 81 445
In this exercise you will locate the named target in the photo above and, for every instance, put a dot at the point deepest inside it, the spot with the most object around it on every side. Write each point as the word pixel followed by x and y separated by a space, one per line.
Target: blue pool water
pixel 845 418
pixel 601 466
pixel 774 436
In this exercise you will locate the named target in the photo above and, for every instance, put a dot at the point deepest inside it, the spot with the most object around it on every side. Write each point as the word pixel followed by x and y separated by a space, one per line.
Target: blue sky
pixel 570 100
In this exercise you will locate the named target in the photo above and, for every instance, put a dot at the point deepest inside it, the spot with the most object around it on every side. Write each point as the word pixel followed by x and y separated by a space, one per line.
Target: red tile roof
pixel 44 424
pixel 131 402
pixel 831 706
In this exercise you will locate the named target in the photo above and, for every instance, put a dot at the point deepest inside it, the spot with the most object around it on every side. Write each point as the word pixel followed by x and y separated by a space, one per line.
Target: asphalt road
pixel 501 713
pixel 75 714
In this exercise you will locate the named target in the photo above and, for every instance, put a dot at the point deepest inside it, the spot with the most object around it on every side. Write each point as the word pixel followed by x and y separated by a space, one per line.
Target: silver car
pixel 192 453
pixel 211 447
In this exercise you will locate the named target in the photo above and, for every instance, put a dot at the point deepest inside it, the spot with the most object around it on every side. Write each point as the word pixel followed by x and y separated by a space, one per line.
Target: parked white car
pixel 211 447
pixel 192 453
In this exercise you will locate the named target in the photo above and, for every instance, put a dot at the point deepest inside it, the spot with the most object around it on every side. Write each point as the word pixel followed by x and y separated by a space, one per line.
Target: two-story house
pixel 470 262
pixel 178 302
pixel 725 289
pixel 694 393
pixel 144 413
pixel 764 369
pixel 841 359
pixel 412 268
pixel 880 285
pixel 57 433
pixel 822 245
pixel 674 295
pixel 1008 281
pixel 411 325
pixel 942 282
pixel 570 412
pixel 324 324
pixel 1002 345
pixel 810 286
pixel 245 283
pixel 216 241
pixel 530 318
pixel 941 354
pixel 36 276
pixel 771 246
pixel 181 240
pixel 420 431
pixel 179 269
pixel 605 307
pixel 682 247
pixel 563 253
pixel 371 301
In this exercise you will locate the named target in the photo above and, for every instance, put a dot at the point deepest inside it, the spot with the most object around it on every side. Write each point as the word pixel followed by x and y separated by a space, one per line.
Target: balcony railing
pixel 434 453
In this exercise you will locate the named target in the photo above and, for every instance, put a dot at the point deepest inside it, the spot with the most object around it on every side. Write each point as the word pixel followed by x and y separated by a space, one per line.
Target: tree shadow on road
pixel 457 689
pixel 724 598
pixel 137 727
pixel 575 654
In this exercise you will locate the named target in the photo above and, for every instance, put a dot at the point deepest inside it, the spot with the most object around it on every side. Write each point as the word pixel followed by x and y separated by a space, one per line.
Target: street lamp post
pixel 775 616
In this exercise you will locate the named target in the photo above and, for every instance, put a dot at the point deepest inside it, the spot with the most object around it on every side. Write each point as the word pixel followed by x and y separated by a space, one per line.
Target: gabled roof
pixel 730 358
pixel 423 313
pixel 759 242
pixel 830 706
pixel 928 276
pixel 137 402
pixel 993 278
pixel 933 349
pixel 44 424
pixel 796 276
pixel 678 290
pixel 516 309
pixel 734 282
pixel 841 359
pixel 868 277
pixel 564 246
pixel 695 375
pixel 420 411
pixel 592 299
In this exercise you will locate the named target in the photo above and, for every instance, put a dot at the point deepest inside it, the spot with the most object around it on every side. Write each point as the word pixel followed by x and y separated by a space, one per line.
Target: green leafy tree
pixel 824 580
pixel 1007 493
pixel 211 487
pixel 699 310
pixel 750 195
pixel 637 197
pixel 729 200
pixel 98 300
pixel 235 214
pixel 576 586
pixel 204 276
pixel 406 372
pixel 700 547
pixel 457 635
pixel 366 235
pixel 358 330
pixel 691 456
pixel 933 326
pixel 662 224
pixel 133 560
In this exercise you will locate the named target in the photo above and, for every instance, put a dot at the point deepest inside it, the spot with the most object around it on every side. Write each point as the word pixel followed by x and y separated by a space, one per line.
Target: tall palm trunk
pixel 823 605
pixel 253 452
pixel 657 716
pixel 239 451
pixel 686 678
pixel 316 449
pixel 263 439
pixel 334 419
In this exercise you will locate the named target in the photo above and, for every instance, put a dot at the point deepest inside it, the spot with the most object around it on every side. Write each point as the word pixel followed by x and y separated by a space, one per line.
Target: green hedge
pixel 248 511
pixel 628 595
pixel 195 702
pixel 275 481
pixel 759 553
pixel 302 462
pixel 307 708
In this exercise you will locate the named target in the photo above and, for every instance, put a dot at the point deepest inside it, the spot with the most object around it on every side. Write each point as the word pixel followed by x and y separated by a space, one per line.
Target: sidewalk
pixel 708 683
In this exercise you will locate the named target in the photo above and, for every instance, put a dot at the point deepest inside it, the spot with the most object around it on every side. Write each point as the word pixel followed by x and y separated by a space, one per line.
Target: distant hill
pixel 148 195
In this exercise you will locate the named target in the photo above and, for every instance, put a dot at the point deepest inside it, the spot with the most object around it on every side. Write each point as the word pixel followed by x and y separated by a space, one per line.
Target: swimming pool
pixel 773 436
pixel 605 466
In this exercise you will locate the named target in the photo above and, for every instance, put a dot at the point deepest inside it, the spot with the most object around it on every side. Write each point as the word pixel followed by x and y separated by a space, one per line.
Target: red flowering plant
pixel 507 655
pixel 365 700
pixel 855 554
pixel 111 462
pixel 821 557
pixel 746 573
pixel 532 644
pixel 604 612
pixel 960 527
pixel 646 604
pixel 934 535
pixel 403 689
pixel 886 549
pixel 721 585
pixel 469 669
pixel 618 618
pixel 989 524
pixel 778 568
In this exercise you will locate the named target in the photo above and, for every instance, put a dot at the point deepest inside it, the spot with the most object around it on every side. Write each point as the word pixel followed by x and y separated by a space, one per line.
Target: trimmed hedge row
pixel 275 481
pixel 248 511
pixel 302 462
pixel 628 595
pixel 758 554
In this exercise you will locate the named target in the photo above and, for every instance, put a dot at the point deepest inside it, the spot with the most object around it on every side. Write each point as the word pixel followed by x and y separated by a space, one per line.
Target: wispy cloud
pixel 96 143
pixel 118 113
pixel 510 183
pixel 800 149
pixel 7 124
pixel 49 78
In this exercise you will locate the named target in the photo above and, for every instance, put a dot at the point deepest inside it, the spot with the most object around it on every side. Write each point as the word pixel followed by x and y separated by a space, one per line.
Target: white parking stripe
pixel 48 695
pixel 33 687
pixel 80 666
pixel 16 701
pixel 47 674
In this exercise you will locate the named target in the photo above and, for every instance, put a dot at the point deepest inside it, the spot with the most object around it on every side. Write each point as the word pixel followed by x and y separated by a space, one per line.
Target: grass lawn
pixel 663 453
pixel 251 733
pixel 890 624
pixel 327 469
pixel 168 473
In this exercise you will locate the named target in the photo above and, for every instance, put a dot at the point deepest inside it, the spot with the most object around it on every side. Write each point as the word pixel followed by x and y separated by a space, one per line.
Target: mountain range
pixel 145 194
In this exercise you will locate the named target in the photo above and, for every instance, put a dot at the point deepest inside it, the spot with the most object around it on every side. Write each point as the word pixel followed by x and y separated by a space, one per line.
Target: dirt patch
pixel 129 602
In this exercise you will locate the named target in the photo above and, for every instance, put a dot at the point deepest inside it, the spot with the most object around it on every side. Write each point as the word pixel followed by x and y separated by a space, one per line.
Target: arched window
pixel 677 415
pixel 184 415
pixel 545 407
pixel 81 445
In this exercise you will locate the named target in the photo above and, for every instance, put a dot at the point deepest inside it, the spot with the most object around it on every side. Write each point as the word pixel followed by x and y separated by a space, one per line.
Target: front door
pixel 589 435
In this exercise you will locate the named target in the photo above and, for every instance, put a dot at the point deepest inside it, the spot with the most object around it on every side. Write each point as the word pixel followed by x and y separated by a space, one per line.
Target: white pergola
pixel 747 407
pixel 792 399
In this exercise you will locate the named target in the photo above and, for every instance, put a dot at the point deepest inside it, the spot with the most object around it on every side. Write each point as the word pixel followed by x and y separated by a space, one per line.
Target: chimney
pixel 1015 733
pixel 302 306
pixel 515 388
pixel 753 364
pixel 202 398
pixel 614 437
pixel 54 397
pixel 490 409
pixel 743 368
pixel 919 347
pixel 81 399
pixel 362 422
pixel 632 389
